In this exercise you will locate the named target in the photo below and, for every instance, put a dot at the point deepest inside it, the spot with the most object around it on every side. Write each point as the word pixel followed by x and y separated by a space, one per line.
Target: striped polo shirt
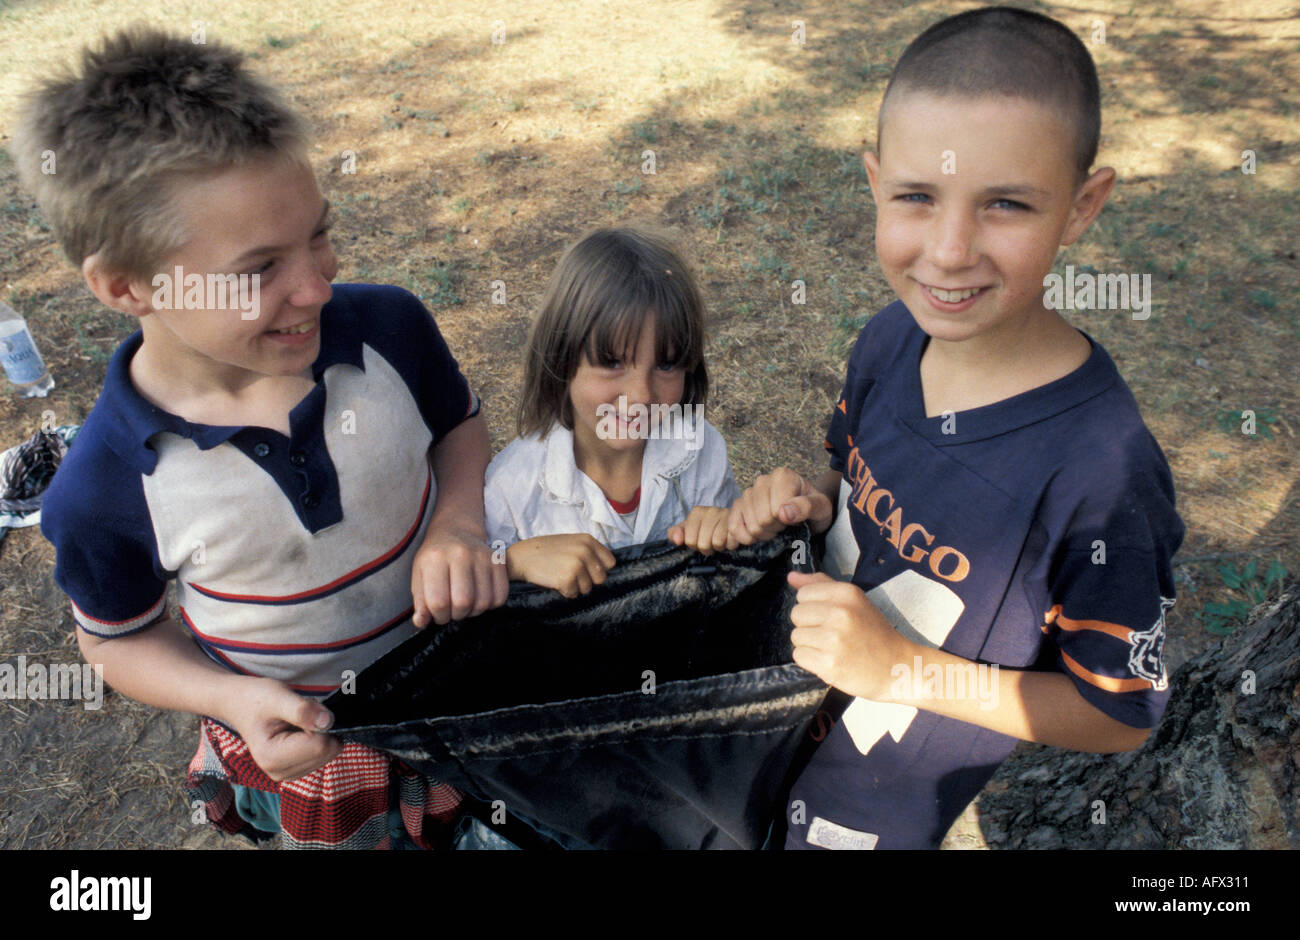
pixel 291 555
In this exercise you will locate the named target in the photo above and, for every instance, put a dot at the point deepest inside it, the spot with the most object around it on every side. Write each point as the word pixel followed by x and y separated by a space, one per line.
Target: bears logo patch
pixel 1146 656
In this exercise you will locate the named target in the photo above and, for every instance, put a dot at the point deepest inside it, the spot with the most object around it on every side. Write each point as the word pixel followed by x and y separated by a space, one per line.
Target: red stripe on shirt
pixel 343 579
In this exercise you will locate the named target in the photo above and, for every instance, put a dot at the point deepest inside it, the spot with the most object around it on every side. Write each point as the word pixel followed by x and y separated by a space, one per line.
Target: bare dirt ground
pixel 479 160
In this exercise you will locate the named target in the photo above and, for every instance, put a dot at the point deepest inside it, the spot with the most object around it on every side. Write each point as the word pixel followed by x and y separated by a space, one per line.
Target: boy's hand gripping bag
pixel 661 710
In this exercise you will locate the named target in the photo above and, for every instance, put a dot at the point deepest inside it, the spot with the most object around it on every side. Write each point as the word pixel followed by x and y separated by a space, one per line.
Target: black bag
pixel 661 710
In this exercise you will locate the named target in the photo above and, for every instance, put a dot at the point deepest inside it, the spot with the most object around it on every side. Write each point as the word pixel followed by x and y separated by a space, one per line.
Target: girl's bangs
pixel 615 330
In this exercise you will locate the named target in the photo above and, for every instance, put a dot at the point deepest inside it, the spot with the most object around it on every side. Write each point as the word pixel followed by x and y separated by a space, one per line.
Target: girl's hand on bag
pixel 572 563
pixel 283 730
pixel 776 500
pixel 705 530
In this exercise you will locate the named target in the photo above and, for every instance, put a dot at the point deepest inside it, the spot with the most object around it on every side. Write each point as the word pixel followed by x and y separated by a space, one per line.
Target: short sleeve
pixel 105 560
pixel 405 333
pixel 1110 591
pixel 445 398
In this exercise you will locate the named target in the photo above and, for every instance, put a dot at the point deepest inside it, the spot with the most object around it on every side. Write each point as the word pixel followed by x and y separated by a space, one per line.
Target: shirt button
pixel 298 459
pixel 310 500
pixel 261 448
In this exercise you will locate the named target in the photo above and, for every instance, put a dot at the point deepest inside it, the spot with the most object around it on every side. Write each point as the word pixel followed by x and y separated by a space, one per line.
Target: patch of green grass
pixel 461 205
pixel 96 350
pixel 1248 588
pixel 1236 422
pixel 627 189
pixel 769 263
pixel 711 216
pixel 1263 298
pixel 275 42
pixel 645 131
pixel 444 284
pixel 767 179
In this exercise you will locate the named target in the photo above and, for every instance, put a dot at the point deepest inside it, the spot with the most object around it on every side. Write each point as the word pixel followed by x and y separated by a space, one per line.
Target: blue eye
pixel 1010 204
pixel 918 198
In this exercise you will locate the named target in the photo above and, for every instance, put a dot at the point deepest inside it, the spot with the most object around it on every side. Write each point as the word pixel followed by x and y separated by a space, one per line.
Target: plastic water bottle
pixel 21 359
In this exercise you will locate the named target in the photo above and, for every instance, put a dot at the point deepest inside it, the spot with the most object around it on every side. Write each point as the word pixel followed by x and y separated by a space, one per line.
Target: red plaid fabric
pixel 343 805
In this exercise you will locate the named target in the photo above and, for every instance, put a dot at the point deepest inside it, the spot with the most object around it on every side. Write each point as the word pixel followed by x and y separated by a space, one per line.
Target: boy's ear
pixel 116 290
pixel 1092 195
pixel 872 163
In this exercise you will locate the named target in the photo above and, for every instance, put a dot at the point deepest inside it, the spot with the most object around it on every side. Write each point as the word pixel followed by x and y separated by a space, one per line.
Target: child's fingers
pixel 821 588
pixel 677 534
pixel 293 754
pixel 752 522
pixel 595 572
pixel 301 712
pixel 797 579
pixel 814 660
pixel 795 510
pixel 720 538
pixel 500 585
pixel 812 507
pixel 811 615
pixel 603 554
pixel 461 583
pixel 736 524
pixel 420 617
pixel 431 592
pixel 482 586
pixel 692 526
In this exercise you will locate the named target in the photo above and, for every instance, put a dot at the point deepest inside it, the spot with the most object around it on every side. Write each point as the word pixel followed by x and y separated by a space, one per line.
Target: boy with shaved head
pixel 1005 519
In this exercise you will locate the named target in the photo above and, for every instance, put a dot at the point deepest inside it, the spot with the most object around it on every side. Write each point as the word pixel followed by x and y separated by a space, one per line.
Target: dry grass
pixel 479 161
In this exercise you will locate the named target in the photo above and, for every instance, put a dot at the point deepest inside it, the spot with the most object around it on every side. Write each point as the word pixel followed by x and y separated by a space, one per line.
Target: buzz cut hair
pixel 105 144
pixel 1006 51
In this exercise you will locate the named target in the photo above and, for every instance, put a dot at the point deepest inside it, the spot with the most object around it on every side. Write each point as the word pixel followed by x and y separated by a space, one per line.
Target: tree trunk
pixel 1222 770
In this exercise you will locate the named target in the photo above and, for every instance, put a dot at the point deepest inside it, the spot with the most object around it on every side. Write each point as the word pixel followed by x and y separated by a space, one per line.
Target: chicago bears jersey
pixel 1033 533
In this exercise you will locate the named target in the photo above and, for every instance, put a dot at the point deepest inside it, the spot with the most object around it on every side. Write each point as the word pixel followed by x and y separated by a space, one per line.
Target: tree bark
pixel 1222 770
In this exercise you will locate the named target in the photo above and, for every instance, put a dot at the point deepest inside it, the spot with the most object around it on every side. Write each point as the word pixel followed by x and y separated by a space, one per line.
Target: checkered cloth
pixel 342 805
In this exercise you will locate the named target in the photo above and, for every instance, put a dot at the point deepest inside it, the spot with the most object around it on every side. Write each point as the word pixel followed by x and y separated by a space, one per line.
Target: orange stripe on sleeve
pixel 1101 626
pixel 1106 683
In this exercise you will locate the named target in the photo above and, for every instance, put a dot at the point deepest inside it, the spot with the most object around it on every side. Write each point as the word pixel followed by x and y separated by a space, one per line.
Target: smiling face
pixel 638 376
pixel 967 250
pixel 266 218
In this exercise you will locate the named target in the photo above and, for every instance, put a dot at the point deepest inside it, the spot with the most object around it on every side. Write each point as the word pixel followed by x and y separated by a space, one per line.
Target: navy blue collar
pixel 130 420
